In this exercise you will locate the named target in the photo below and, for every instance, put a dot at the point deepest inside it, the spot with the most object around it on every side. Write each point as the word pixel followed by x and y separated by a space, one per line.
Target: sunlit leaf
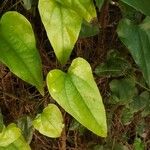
pixel 83 8
pixel 18 49
pixel 49 122
pixel 77 92
pixel 62 26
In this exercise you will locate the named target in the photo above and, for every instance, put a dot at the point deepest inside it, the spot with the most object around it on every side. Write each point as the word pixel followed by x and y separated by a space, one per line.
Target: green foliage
pixel 62 22
pixel 25 124
pixel 77 93
pixel 137 40
pixel 11 139
pixel 122 90
pixel 49 122
pixel 113 67
pixel 18 49
pixel 99 3
pixel 138 145
pixel 88 30
pixel 141 5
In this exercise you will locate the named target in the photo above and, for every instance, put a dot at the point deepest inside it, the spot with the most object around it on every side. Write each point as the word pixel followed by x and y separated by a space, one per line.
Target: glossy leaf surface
pixel 77 92
pixel 18 49
pixel 49 122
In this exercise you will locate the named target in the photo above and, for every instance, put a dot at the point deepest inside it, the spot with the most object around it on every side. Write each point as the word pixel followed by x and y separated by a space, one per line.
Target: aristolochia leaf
pixel 77 92
pixel 62 26
pixel 18 49
pixel 49 122
pixel 137 40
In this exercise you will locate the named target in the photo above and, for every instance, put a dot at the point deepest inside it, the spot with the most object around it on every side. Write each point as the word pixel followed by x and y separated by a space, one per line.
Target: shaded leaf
pixel 49 122
pixel 88 30
pixel 122 90
pixel 18 49
pixel 137 40
pixel 127 115
pixel 99 3
pixel 77 92
pixel 114 66
pixel 25 124
pixel 62 26
pixel 141 5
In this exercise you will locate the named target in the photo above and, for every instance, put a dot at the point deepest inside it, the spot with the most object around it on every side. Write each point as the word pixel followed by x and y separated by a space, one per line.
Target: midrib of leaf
pixel 49 122
pixel 82 99
pixel 17 55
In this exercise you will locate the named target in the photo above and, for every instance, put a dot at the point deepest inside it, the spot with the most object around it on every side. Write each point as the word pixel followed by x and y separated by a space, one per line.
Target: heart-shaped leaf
pixel 137 40
pixel 49 122
pixel 141 5
pixel 62 26
pixel 18 49
pixel 77 92
pixel 85 9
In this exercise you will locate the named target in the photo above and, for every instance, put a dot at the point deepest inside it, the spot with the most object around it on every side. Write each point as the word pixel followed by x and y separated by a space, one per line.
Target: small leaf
pixel 137 39
pixel 49 122
pixel 25 124
pixel 62 26
pixel 127 115
pixel 141 5
pixel 88 30
pixel 27 4
pixel 77 93
pixel 18 49
pixel 122 90
pixel 99 3
pixel 85 9
pixel 9 135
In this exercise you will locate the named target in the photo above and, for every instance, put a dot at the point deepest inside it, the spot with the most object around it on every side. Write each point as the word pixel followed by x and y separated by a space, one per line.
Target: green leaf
pixel 77 92
pixel 88 30
pixel 122 90
pixel 141 5
pixel 25 124
pixel 49 122
pixel 18 49
pixel 99 3
pixel 127 115
pixel 19 144
pixel 27 4
pixel 137 40
pixel 85 9
pixel 62 26
pixel 114 66
pixel 9 134
pixel 138 145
